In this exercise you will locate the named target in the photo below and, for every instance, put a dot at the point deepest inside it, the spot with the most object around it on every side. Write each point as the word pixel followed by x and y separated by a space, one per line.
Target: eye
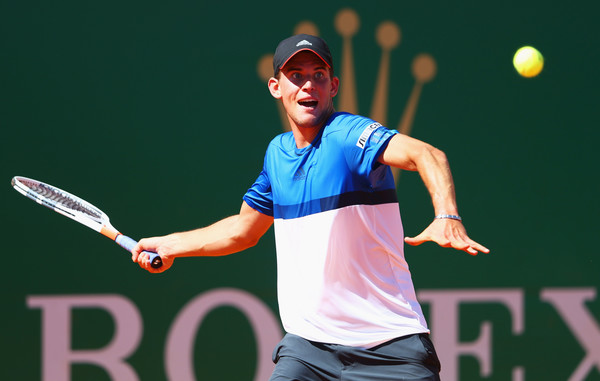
pixel 319 75
pixel 296 75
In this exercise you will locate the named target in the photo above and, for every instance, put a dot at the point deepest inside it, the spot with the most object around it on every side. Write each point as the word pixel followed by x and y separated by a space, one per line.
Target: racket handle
pixel 129 243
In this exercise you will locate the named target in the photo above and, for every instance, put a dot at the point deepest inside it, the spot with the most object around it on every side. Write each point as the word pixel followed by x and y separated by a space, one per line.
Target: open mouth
pixel 309 103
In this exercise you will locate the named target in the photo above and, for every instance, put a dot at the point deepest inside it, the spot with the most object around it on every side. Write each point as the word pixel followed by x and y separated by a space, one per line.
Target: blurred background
pixel 158 113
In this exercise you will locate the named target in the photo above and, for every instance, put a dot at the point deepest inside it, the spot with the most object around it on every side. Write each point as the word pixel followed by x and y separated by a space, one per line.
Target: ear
pixel 274 88
pixel 335 86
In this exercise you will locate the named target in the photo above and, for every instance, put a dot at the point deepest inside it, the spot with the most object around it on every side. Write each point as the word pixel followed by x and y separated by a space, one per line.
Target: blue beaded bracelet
pixel 448 216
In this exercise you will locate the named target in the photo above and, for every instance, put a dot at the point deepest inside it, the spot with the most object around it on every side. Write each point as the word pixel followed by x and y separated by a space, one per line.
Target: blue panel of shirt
pixel 338 169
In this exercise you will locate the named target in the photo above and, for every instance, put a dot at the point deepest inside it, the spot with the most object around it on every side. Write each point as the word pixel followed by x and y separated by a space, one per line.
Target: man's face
pixel 306 89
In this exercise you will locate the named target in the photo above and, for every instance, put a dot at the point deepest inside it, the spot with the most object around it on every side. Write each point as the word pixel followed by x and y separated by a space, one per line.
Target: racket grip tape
pixel 128 244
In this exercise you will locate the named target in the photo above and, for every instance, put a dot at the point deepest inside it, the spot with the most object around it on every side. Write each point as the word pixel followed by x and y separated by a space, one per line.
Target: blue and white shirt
pixel 342 276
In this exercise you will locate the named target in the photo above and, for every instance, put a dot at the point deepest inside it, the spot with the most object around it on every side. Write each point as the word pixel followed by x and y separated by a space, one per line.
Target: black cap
pixel 292 45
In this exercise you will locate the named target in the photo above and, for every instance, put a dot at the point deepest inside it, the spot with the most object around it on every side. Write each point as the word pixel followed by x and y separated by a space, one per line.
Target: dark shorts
pixel 410 357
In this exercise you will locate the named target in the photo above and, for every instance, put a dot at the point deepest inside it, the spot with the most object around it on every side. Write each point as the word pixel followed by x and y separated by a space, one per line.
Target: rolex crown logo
pixel 387 37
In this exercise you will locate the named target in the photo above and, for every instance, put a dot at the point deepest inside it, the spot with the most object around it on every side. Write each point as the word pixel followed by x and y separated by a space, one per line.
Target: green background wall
pixel 155 113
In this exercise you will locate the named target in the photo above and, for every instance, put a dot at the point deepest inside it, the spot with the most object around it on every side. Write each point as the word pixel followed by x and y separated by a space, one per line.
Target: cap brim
pixel 303 50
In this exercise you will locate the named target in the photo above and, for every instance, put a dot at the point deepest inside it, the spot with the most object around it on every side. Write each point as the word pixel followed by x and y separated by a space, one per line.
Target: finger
pixel 474 247
pixel 471 251
pixel 480 248
pixel 460 245
pixel 461 241
pixel 145 244
pixel 135 253
pixel 411 241
pixel 138 249
pixel 414 241
pixel 142 260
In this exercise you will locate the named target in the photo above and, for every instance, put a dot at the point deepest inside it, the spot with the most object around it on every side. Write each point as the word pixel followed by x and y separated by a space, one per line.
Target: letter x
pixel 570 304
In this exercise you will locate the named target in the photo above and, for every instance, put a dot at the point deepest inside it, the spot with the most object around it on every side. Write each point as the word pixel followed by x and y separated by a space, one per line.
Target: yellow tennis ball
pixel 528 61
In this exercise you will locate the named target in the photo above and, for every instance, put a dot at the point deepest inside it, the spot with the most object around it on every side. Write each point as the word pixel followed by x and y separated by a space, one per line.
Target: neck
pixel 304 135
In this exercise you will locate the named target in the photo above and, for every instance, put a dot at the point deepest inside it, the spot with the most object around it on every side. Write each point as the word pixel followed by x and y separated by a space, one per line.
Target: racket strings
pixel 65 200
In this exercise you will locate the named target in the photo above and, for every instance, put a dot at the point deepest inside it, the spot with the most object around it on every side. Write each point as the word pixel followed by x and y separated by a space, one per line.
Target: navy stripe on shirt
pixel 386 196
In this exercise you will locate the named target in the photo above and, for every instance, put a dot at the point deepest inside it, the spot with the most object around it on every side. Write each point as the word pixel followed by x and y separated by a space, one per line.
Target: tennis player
pixel 346 297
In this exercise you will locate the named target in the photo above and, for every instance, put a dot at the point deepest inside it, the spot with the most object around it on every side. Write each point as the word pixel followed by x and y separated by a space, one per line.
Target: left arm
pixel 411 154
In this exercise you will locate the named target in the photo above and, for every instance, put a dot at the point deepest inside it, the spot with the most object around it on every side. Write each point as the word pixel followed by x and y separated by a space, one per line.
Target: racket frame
pixel 99 223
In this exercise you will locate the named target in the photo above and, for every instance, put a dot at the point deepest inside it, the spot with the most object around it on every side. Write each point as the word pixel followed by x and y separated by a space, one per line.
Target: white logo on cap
pixel 303 42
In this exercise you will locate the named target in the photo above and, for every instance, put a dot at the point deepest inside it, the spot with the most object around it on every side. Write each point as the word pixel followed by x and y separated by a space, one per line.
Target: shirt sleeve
pixel 260 197
pixel 365 142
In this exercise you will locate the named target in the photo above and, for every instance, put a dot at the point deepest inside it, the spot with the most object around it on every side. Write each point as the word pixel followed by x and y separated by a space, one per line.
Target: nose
pixel 308 84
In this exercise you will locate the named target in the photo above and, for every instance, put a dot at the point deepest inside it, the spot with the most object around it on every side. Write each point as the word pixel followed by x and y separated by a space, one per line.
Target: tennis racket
pixel 77 209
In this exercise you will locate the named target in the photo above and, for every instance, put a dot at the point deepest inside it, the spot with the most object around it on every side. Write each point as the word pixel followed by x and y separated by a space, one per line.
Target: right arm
pixel 411 154
pixel 227 236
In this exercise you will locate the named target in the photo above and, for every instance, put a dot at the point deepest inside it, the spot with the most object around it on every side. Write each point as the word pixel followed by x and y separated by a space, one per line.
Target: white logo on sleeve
pixel 362 140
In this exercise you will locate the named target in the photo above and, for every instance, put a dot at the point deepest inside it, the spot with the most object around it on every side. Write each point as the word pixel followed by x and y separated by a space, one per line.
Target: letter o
pixel 180 340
